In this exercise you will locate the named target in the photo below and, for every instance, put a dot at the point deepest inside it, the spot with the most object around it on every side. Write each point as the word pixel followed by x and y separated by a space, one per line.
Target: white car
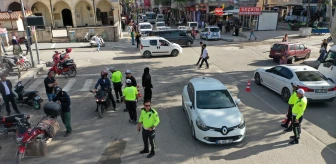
pixel 211 112
pixel 145 28
pixel 154 45
pixel 210 32
pixel 279 78
pixel 159 24
pixel 162 28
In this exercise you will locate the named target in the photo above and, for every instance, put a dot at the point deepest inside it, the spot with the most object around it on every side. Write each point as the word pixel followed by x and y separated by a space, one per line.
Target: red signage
pixel 147 3
pixel 218 11
pixel 249 10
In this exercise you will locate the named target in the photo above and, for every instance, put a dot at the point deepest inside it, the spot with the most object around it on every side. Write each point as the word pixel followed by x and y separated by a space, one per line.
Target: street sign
pixel 35 21
pixel 218 11
pixel 249 10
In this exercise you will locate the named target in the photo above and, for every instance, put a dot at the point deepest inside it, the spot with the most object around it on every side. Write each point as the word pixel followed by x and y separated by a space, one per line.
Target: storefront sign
pixel 249 10
pixel 218 11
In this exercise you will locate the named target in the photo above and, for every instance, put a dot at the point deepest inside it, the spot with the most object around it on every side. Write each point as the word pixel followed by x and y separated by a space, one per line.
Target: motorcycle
pixel 62 64
pixel 45 129
pixel 24 59
pixel 31 98
pixel 20 63
pixel 7 64
pixel 94 44
pixel 10 124
pixel 102 100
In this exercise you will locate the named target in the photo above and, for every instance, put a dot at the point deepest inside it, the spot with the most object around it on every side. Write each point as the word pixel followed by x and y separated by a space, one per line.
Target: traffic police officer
pixel 130 95
pixel 116 77
pixel 297 112
pixel 149 119
pixel 292 100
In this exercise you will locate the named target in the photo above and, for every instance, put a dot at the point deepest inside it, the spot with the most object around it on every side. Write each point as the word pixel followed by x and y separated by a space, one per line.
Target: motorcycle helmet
pixel 57 91
pixel 68 50
pixel 103 74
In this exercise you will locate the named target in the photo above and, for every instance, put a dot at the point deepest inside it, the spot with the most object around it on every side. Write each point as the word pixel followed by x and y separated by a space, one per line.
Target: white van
pixel 159 18
pixel 191 25
pixel 328 65
pixel 210 32
pixel 154 45
pixel 144 28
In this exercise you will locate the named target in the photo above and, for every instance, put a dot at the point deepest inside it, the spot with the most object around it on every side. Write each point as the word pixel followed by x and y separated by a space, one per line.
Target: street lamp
pixel 10 18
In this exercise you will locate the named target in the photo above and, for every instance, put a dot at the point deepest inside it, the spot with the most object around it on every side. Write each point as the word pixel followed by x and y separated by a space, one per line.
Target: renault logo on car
pixel 224 130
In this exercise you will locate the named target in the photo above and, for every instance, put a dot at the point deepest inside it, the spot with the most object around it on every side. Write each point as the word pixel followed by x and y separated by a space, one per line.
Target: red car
pixel 294 51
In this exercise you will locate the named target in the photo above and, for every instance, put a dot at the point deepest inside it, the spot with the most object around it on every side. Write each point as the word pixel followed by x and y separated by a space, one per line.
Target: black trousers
pixel 117 90
pixel 199 60
pixel 289 118
pixel 27 50
pixel 131 107
pixel 148 93
pixel 111 97
pixel 10 98
pixel 148 135
pixel 297 127
pixel 206 62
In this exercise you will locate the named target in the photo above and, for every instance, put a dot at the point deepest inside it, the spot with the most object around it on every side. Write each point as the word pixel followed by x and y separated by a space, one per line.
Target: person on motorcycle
pixel 105 83
pixel 64 99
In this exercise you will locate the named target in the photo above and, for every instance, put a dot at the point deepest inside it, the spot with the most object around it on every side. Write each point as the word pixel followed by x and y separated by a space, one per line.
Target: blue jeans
pixel 50 96
pixel 132 40
pixel 252 33
pixel 98 46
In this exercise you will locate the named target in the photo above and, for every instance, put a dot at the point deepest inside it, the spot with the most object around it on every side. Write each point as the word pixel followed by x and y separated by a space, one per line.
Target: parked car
pixel 212 113
pixel 159 18
pixel 159 24
pixel 154 45
pixel 279 78
pixel 192 25
pixel 210 32
pixel 176 36
pixel 143 27
pixel 328 64
pixel 294 51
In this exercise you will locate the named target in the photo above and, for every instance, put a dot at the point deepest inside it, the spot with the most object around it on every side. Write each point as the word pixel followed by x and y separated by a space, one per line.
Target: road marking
pixel 53 45
pixel 69 84
pixel 35 84
pixel 87 85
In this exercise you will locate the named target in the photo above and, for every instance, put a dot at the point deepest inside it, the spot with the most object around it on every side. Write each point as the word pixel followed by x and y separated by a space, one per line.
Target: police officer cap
pixel 128 72
pixel 128 81
pixel 300 91
pixel 295 84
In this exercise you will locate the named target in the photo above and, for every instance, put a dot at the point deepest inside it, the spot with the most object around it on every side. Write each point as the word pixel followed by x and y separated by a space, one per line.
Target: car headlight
pixel 201 125
pixel 242 122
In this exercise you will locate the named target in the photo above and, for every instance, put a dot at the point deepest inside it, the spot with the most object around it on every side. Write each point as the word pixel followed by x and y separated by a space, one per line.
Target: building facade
pixel 76 13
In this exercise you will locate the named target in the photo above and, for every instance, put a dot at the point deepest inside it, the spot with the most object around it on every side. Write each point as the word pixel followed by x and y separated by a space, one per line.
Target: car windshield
pixel 278 46
pixel 151 16
pixel 147 26
pixel 214 29
pixel 331 56
pixel 214 99
pixel 193 24
pixel 160 24
pixel 310 76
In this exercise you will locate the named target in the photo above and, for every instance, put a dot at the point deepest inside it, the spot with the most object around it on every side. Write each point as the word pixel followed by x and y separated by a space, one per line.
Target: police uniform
pixel 297 114
pixel 116 80
pixel 149 120
pixel 292 100
pixel 130 96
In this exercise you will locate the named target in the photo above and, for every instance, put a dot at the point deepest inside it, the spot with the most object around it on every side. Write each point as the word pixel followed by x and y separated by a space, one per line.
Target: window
pixel 302 47
pixel 191 92
pixel 214 99
pixel 160 24
pixel 276 70
pixel 331 57
pixel 175 34
pixel 297 47
pixel 98 14
pixel 291 48
pixel 214 29
pixel 193 25
pixel 153 42
pixel 286 73
pixel 278 46
pixel 310 76
pixel 163 43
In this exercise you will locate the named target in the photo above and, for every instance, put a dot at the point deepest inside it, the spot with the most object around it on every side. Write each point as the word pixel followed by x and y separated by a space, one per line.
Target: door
pixel 153 47
pixel 271 75
pixel 104 18
pixel 298 52
pixel 67 17
pixel 304 50
pixel 291 50
pixel 283 79
pixel 164 47
pixel 191 98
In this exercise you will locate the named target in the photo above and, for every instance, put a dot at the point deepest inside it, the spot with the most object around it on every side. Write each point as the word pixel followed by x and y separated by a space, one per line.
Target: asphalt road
pixel 113 139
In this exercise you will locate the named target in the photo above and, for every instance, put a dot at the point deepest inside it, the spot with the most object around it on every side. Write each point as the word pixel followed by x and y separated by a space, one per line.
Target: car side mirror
pixel 237 101
pixel 189 104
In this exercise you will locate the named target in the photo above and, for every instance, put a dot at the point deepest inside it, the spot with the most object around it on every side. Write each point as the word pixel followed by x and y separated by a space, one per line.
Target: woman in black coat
pixel 147 84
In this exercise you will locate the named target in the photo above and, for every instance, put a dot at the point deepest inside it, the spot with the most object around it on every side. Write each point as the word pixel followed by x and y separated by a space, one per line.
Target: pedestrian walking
pixel 130 95
pixel 97 40
pixel 116 78
pixel 205 57
pixel 147 84
pixel 27 45
pixel 297 115
pixel 200 58
pixel 137 38
pixel 132 36
pixel 7 94
pixel 252 32
pixel 149 120
pixel 284 56
pixel 285 38
pixel 50 83
pixel 63 98
pixel 292 100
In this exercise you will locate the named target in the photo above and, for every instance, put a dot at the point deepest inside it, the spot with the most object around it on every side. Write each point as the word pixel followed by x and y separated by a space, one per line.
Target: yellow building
pixel 76 13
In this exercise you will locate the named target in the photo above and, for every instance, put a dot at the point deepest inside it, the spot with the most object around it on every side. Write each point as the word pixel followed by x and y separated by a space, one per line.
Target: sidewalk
pixel 51 46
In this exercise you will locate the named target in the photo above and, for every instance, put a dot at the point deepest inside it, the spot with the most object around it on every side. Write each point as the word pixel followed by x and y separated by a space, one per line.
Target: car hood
pixel 218 118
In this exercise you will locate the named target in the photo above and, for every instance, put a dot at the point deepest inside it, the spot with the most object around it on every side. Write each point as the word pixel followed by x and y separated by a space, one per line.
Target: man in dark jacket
pixel 7 94
pixel 105 83
pixel 63 98
pixel 147 84
pixel 129 76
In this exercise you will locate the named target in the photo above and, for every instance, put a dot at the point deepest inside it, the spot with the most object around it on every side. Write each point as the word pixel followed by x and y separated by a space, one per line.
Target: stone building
pixel 76 13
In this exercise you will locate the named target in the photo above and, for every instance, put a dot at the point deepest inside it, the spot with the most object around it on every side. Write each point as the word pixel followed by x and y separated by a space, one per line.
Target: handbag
pixel 207 57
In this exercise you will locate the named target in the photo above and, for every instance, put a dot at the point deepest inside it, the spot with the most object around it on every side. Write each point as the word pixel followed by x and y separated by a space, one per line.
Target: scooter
pixel 102 100
pixel 45 129
pixel 67 67
pixel 10 124
pixel 31 98
pixel 94 44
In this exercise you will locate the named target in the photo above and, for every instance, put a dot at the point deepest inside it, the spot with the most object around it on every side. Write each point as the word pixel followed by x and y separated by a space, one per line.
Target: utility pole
pixel 308 13
pixel 27 32
pixel 94 12
pixel 52 15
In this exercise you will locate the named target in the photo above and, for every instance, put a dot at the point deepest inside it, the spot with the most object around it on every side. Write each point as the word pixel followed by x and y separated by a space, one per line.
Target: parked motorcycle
pixel 102 100
pixel 10 124
pixel 45 129
pixel 8 65
pixel 24 59
pixel 20 63
pixel 67 67
pixel 31 98
pixel 94 44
